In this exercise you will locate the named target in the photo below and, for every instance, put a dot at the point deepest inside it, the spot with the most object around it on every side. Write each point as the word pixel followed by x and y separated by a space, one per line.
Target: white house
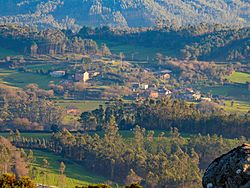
pixel 85 76
pixel 57 74
pixel 144 86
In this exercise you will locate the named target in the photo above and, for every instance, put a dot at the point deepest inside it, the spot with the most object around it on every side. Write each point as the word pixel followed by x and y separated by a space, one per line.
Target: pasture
pixel 6 52
pixel 76 174
pixel 13 78
pixel 139 53
pixel 238 106
pixel 235 92
pixel 82 105
pixel 239 77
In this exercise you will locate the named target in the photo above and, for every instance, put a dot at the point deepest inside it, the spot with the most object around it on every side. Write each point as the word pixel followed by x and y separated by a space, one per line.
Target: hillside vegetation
pixel 133 13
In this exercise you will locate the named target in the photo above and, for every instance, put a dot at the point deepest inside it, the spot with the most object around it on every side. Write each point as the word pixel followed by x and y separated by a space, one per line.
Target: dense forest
pixel 30 41
pixel 202 42
pixel 205 118
pixel 64 14
pixel 148 159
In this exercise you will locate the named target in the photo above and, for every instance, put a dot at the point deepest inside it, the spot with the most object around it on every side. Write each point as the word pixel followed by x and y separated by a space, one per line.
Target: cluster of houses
pixel 141 89
pixel 190 94
pixel 145 91
pixel 77 77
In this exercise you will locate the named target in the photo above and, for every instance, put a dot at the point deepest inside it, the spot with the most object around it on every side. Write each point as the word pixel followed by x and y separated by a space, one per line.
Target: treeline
pixel 202 42
pixel 140 161
pixel 229 45
pixel 50 41
pixel 28 109
pixel 166 113
pixel 149 159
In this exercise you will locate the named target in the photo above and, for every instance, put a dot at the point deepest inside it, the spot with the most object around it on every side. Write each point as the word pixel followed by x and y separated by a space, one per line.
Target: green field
pixel 6 52
pixel 238 106
pixel 76 174
pixel 30 135
pixel 140 53
pixel 239 77
pixel 14 78
pixel 239 93
pixel 82 105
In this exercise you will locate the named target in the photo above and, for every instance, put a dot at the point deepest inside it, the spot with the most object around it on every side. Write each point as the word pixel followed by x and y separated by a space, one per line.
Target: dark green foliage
pixel 166 113
pixel 50 41
pixel 153 161
pixel 202 42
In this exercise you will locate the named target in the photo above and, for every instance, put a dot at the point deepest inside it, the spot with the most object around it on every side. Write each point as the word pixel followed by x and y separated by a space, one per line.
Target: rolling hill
pixel 133 13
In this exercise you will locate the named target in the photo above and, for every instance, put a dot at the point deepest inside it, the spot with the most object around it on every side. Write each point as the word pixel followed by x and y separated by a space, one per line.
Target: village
pixel 95 77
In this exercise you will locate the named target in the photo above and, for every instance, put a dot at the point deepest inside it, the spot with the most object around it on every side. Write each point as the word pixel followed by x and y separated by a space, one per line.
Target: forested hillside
pixel 71 14
pixel 202 42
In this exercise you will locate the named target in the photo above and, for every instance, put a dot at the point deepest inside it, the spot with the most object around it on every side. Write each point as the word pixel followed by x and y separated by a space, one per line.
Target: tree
pixel 9 180
pixel 159 58
pixel 33 49
pixel 133 178
pixel 232 103
pixel 62 168
pixel 121 56
pixel 105 50
pixel 30 157
pixel 45 166
pixel 62 177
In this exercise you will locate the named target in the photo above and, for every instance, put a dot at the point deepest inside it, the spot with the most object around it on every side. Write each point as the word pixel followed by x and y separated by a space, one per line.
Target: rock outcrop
pixel 231 170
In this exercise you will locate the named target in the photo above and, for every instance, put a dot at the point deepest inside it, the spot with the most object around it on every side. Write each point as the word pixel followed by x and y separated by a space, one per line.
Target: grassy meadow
pixel 76 175
pixel 82 105
pixel 238 106
pixel 239 77
pixel 235 92
pixel 13 78
pixel 6 52
pixel 139 53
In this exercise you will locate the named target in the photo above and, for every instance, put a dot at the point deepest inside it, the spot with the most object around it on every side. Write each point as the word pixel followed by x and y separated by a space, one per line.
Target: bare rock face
pixel 231 170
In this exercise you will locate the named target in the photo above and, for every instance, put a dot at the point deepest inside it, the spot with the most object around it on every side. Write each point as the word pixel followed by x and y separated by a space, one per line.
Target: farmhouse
pixel 196 96
pixel 57 74
pixel 81 77
pixel 154 94
pixel 165 76
pixel 189 90
pixel 135 86
pixel 144 86
pixel 164 91
pixel 207 99
pixel 85 76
